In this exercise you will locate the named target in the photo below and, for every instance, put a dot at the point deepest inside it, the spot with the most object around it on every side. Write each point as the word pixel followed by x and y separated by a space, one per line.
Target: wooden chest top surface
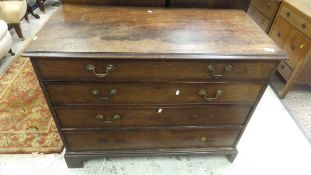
pixel 198 33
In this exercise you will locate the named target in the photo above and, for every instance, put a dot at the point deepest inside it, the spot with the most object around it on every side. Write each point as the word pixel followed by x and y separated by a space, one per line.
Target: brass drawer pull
pixel 103 118
pixel 97 93
pixel 212 70
pixel 91 68
pixel 203 139
pixel 209 99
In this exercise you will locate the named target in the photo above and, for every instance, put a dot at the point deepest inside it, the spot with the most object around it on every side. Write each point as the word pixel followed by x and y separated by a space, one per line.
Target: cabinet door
pixel 296 46
pixel 280 31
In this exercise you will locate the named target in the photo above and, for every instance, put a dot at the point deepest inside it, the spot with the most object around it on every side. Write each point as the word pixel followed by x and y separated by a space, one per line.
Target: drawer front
pixel 153 116
pixel 156 70
pixel 259 18
pixel 296 46
pixel 267 7
pixel 150 139
pixel 296 20
pixel 149 93
pixel 285 70
pixel 280 31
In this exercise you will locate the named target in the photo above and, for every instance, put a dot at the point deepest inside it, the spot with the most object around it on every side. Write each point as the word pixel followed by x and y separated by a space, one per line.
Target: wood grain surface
pixel 117 30
pixel 152 93
pixel 62 69
pixel 152 116
pixel 151 139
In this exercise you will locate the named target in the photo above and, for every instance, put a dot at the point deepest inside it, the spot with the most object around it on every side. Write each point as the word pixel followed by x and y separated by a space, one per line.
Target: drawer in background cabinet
pixel 285 70
pixel 152 70
pixel 267 7
pixel 138 139
pixel 259 18
pixel 105 117
pixel 280 31
pixel 296 20
pixel 152 93
pixel 297 47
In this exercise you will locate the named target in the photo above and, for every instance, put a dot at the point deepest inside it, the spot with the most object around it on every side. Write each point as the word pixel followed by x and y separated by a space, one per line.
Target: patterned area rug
pixel 26 125
pixel 298 104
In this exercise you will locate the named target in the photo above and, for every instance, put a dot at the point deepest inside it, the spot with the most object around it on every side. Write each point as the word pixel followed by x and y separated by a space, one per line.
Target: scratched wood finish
pixel 97 29
pixel 149 93
pixel 151 139
pixel 153 70
pixel 152 116
pixel 154 3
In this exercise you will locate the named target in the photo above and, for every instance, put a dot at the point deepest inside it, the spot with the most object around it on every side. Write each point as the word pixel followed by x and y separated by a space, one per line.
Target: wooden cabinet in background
pixel 263 12
pixel 291 31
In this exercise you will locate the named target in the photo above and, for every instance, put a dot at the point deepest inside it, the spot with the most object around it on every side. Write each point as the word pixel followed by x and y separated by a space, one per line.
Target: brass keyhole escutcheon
pixel 203 139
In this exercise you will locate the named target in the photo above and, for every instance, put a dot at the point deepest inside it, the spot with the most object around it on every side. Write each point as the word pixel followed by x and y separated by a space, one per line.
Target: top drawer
pixel 267 7
pixel 297 20
pixel 151 70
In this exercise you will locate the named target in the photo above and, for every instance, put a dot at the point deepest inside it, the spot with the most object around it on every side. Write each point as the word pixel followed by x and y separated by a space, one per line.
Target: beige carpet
pixel 298 104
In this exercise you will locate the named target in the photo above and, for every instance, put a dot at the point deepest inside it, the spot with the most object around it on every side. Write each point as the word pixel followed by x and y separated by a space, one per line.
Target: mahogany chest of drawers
pixel 151 81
